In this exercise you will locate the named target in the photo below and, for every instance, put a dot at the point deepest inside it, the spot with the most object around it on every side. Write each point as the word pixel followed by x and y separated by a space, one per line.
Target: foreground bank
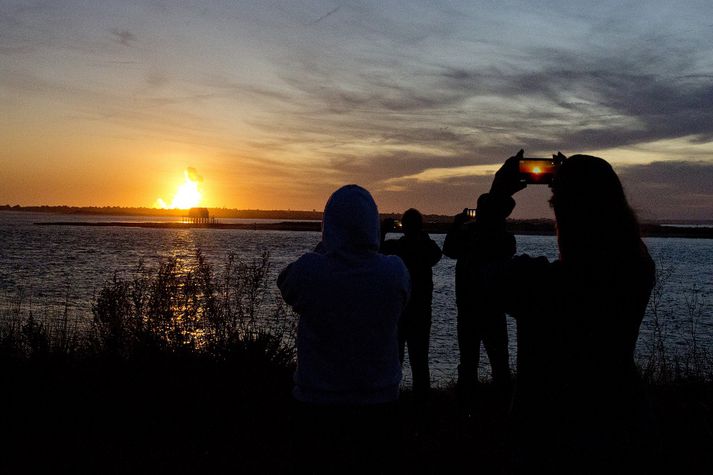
pixel 183 414
pixel 190 371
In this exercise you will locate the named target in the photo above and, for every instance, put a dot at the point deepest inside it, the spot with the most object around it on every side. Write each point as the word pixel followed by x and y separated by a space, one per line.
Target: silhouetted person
pixel 578 406
pixel 349 298
pixel 477 243
pixel 420 253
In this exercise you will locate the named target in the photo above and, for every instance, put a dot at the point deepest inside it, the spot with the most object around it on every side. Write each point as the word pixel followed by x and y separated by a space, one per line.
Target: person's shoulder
pixel 392 265
pixel 300 274
pixel 309 261
pixel 392 262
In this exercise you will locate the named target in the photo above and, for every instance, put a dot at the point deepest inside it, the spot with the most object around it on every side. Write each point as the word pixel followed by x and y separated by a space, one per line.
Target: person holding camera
pixel 349 298
pixel 478 238
pixel 578 404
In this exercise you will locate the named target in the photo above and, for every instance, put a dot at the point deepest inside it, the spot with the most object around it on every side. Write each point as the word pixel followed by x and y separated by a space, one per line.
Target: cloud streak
pixel 326 15
pixel 662 189
pixel 123 37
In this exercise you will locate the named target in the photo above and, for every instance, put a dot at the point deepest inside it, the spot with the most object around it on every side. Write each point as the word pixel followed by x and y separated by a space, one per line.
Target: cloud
pixel 592 105
pixel 405 98
pixel 437 175
pixel 326 15
pixel 661 190
pixel 451 194
pixel 124 37
pixel 604 83
pixel 156 79
pixel 192 175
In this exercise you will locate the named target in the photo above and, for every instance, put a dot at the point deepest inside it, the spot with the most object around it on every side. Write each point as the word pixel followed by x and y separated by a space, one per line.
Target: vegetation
pixel 187 369
pixel 690 360
pixel 183 369
pixel 680 379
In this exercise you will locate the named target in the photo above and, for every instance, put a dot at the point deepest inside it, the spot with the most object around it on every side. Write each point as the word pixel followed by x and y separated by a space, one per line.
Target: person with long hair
pixel 578 404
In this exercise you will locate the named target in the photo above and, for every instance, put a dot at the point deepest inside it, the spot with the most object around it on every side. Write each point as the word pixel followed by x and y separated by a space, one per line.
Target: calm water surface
pixel 56 265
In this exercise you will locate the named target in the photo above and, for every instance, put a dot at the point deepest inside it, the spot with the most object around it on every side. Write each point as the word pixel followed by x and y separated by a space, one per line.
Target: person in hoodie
pixel 420 253
pixel 349 298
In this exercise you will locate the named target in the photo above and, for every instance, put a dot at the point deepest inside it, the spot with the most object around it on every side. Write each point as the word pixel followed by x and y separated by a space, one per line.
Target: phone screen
pixel 537 170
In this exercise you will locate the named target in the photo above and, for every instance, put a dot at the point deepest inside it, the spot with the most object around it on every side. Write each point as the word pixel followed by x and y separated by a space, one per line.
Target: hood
pixel 351 221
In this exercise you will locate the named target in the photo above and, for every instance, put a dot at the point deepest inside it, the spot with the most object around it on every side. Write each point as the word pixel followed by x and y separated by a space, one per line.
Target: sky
pixel 275 104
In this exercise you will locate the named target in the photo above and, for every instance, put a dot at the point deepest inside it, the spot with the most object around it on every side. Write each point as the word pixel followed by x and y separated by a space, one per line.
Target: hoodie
pixel 349 299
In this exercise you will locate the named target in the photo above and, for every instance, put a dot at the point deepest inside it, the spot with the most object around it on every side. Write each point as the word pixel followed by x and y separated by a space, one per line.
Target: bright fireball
pixel 188 194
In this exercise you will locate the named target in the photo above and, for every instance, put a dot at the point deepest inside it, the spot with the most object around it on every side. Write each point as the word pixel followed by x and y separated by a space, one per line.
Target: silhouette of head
pixel 594 220
pixel 412 222
pixel 351 221
pixel 485 212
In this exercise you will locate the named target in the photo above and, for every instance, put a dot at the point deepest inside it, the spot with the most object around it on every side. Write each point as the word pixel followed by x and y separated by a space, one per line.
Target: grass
pixel 662 362
pixel 187 369
pixel 183 368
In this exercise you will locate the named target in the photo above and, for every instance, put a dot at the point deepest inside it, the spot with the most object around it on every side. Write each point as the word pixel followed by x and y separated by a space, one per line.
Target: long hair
pixel 595 223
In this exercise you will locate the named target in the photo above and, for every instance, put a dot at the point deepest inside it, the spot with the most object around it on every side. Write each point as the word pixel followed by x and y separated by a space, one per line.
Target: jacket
pixel 349 299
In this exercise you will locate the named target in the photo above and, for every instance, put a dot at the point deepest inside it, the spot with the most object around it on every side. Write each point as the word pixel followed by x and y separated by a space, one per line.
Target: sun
pixel 188 194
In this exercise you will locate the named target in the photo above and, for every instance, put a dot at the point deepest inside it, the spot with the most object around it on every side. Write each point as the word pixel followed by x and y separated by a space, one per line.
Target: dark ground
pixel 204 417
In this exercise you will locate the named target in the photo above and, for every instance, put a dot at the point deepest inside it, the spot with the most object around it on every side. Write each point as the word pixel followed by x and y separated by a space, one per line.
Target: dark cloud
pixel 661 190
pixel 326 15
pixel 376 167
pixel 554 100
pixel 442 198
pixel 124 37
pixel 156 79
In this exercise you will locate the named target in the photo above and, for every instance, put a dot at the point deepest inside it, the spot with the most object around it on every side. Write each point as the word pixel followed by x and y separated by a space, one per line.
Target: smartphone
pixel 537 171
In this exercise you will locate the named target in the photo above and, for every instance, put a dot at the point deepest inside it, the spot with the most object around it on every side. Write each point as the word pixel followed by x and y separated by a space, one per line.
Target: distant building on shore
pixel 199 216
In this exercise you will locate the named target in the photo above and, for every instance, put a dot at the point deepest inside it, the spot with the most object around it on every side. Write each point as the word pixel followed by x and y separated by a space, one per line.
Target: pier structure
pixel 199 216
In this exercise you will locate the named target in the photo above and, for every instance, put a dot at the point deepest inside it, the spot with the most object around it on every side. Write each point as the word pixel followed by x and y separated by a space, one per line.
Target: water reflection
pixel 184 304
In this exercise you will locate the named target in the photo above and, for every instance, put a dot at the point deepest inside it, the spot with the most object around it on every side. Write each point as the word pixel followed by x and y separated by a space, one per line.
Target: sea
pixel 56 268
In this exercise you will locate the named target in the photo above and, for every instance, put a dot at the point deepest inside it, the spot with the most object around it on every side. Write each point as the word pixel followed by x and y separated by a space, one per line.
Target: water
pixel 58 266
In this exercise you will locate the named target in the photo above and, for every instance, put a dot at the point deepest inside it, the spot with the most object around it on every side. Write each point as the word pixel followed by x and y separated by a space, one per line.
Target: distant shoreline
pixel 296 215
pixel 257 226
pixel 522 227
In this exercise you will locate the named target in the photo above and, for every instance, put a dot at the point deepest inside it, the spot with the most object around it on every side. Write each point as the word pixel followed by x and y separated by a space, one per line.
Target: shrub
pixel 180 308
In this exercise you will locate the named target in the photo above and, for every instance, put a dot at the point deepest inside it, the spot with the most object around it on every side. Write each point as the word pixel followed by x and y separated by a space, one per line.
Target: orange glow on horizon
pixel 188 194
